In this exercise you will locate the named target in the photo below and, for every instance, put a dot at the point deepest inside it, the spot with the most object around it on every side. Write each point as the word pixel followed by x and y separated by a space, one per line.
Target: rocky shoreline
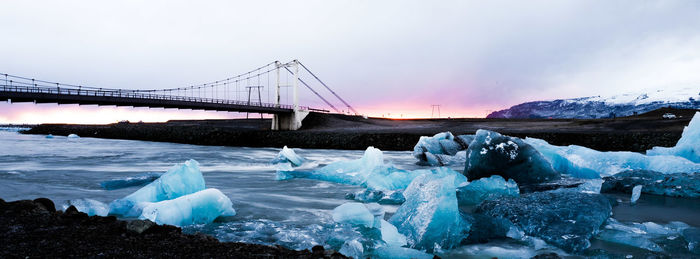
pixel 334 131
pixel 35 229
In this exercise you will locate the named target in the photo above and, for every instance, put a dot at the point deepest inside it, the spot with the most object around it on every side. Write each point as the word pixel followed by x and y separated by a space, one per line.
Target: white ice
pixel 197 208
pixel 636 192
pixel 584 162
pixel 288 155
pixel 353 213
pixel 181 179
pixel 89 206
pixel 688 146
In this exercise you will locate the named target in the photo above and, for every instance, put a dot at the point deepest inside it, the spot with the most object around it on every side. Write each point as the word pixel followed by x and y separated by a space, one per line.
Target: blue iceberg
pixel 656 183
pixel 687 147
pixel 440 149
pixel 353 213
pixel 287 155
pixel 494 154
pixel 88 206
pixel 180 180
pixel 130 181
pixel 382 197
pixel 369 171
pixel 648 235
pixel 430 217
pixel 197 208
pixel 581 161
pixel 486 188
pixel 636 192
pixel 562 218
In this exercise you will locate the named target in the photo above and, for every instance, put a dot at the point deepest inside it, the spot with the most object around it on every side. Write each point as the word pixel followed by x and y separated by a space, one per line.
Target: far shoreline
pixel 335 131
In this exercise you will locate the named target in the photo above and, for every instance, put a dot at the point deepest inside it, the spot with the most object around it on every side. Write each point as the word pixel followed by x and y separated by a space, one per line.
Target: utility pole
pixel 432 114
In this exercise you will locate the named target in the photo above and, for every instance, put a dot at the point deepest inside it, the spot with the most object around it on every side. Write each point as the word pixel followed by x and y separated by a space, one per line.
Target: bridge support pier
pixel 289 121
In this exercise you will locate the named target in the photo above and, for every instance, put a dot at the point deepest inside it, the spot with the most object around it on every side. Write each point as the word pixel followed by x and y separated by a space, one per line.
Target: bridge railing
pixel 42 88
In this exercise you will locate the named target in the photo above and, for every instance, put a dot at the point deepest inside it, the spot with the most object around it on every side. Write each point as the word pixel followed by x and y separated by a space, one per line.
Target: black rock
pixel 46 203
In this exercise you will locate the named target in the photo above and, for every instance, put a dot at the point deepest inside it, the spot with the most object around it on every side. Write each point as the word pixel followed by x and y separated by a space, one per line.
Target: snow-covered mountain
pixel 604 107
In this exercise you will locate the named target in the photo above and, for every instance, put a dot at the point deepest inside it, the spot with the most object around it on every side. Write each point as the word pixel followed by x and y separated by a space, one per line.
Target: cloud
pixel 468 56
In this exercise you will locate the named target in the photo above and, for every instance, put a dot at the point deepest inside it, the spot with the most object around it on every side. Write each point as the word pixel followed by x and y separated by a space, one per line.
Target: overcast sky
pixel 397 57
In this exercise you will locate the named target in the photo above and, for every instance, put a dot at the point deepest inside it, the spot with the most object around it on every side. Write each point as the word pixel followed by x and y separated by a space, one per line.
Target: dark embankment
pixel 35 229
pixel 333 131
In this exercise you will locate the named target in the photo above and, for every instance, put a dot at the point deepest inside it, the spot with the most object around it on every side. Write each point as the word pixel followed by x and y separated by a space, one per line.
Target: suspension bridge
pixel 233 94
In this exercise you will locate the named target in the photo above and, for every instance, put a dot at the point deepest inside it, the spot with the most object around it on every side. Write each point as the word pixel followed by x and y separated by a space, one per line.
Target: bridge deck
pixel 134 99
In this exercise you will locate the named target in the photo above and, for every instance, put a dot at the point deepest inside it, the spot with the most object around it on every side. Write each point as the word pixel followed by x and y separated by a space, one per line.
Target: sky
pixel 386 58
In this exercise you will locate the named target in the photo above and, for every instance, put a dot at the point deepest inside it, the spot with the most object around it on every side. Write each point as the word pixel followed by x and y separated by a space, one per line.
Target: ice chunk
pixel 580 160
pixel 494 154
pixel 352 249
pixel 636 192
pixel 88 206
pixel 378 213
pixel 179 180
pixel 486 188
pixel 197 208
pixel 656 183
pixel 486 228
pixel 369 171
pixel 49 136
pixel 391 235
pixel 353 213
pixel 441 149
pixel 557 156
pixel 430 217
pixel 630 239
pixel 692 235
pixel 565 219
pixel 688 146
pixel 396 252
pixel 130 181
pixel 73 136
pixel 288 155
pixel 381 197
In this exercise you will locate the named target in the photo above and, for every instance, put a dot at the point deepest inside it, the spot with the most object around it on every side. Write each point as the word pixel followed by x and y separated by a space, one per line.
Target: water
pixel 294 213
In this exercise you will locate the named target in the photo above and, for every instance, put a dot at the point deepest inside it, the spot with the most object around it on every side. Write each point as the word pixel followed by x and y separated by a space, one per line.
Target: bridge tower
pixel 293 120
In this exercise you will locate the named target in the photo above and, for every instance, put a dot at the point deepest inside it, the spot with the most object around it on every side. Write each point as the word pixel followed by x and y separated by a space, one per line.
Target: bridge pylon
pixel 293 120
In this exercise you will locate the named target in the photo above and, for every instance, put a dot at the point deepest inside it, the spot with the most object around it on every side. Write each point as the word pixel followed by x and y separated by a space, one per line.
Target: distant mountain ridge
pixel 604 107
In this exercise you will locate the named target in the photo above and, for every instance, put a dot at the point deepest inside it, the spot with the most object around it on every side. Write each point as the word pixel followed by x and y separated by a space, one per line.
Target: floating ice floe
pixel 564 219
pixel 648 235
pixel 688 145
pixel 287 155
pixel 88 206
pixel 197 208
pixel 129 181
pixel 636 192
pixel 353 213
pixel 180 180
pixel 583 162
pixel 441 149
pixel 369 171
pixel 492 153
pixel 49 136
pixel 675 185
pixel 430 217
pixel 381 197
pixel 73 136
pixel 486 188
